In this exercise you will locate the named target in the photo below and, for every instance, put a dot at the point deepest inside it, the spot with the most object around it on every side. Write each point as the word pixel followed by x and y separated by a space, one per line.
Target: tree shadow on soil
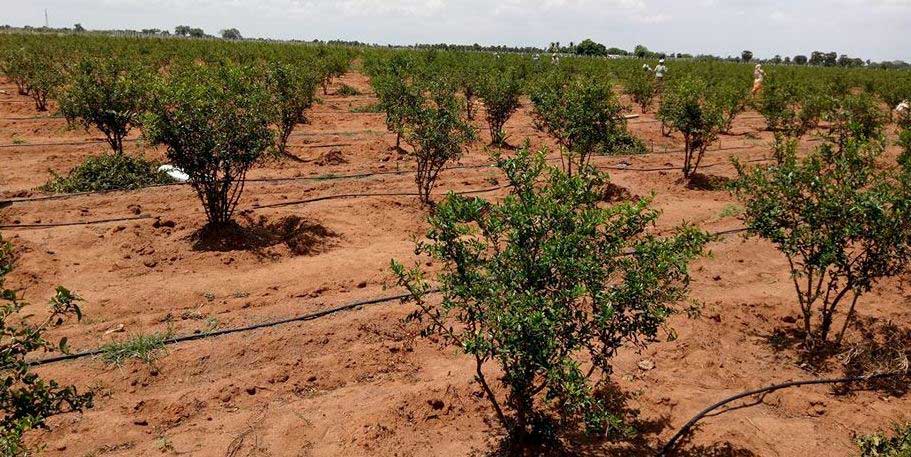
pixel 872 346
pixel 299 235
pixel 573 442
pixel 700 181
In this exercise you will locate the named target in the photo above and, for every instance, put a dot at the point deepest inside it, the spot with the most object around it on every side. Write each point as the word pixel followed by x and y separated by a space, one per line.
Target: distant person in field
pixel 758 78
pixel 554 58
pixel 903 108
pixel 659 70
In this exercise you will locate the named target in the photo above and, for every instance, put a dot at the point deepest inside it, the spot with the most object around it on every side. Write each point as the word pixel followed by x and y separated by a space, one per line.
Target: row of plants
pixel 551 282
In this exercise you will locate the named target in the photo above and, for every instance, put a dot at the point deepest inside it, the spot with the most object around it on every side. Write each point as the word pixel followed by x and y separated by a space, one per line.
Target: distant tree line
pixel 587 47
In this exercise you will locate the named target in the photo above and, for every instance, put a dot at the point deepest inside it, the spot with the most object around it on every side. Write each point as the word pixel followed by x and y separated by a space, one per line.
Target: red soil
pixel 361 382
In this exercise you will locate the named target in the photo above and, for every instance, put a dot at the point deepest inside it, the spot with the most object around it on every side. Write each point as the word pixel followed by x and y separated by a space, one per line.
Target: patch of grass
pixel 146 348
pixel 347 91
pixel 108 171
pixel 369 108
pixel 730 210
pixel 880 445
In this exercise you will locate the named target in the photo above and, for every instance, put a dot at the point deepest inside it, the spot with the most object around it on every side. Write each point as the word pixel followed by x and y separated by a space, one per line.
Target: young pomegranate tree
pixel 43 76
pixel 14 64
pixel 548 285
pixel 687 109
pixel 293 90
pixel 398 96
pixel 584 116
pixel 438 135
pixel 500 90
pixel 842 222
pixel 110 94
pixel 26 399
pixel 214 122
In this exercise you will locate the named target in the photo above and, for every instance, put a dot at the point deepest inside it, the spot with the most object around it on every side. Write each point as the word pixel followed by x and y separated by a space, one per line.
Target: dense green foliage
pixel 293 91
pixel 437 134
pixel 26 399
pixel 500 91
pixel 688 108
pixel 214 122
pixel 548 285
pixel 108 94
pixel 110 171
pixel 584 116
pixel 897 444
pixel 842 222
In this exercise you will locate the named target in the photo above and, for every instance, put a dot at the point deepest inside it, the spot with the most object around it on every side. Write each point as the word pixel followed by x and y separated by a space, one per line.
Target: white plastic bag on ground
pixel 175 173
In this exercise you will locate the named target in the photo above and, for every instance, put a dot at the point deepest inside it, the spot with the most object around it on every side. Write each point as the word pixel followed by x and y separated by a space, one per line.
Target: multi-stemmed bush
pixel 110 94
pixel 293 90
pixel 857 117
pixel 44 75
pixel 584 116
pixel 215 123
pixel 14 63
pixel 548 285
pixel 788 108
pixel 26 399
pixel 499 89
pixel 641 87
pixel 687 108
pixel 842 222
pixel 438 135
pixel 398 96
pixel 732 98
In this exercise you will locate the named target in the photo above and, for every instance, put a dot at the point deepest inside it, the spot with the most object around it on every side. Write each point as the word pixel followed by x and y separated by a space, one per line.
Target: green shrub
pixel 43 75
pixel 500 91
pixel 584 116
pixel 437 134
pixel 855 116
pixel 293 92
pixel 108 172
pixel 842 222
pixel 881 445
pixel 26 399
pixel 215 125
pixel 14 64
pixel 347 91
pixel 687 108
pixel 789 109
pixel 541 283
pixel 397 95
pixel 109 94
pixel 732 98
pixel 642 88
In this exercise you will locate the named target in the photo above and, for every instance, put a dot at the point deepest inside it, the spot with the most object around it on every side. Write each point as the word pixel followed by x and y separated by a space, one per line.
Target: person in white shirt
pixel 758 78
pixel 903 114
pixel 659 70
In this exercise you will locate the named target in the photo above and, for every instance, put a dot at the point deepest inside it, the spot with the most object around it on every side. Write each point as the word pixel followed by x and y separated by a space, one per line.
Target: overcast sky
pixel 874 29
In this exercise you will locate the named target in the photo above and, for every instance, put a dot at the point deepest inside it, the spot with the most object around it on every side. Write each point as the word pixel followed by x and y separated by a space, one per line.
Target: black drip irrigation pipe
pixel 374 194
pixel 366 174
pixel 71 224
pixel 672 443
pixel 254 207
pixel 274 323
pixel 228 331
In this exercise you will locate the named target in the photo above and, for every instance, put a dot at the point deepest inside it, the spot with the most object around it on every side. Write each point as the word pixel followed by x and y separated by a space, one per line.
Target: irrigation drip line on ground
pixel 683 431
pixel 228 331
pixel 330 177
pixel 71 224
pixel 275 323
pixel 257 207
